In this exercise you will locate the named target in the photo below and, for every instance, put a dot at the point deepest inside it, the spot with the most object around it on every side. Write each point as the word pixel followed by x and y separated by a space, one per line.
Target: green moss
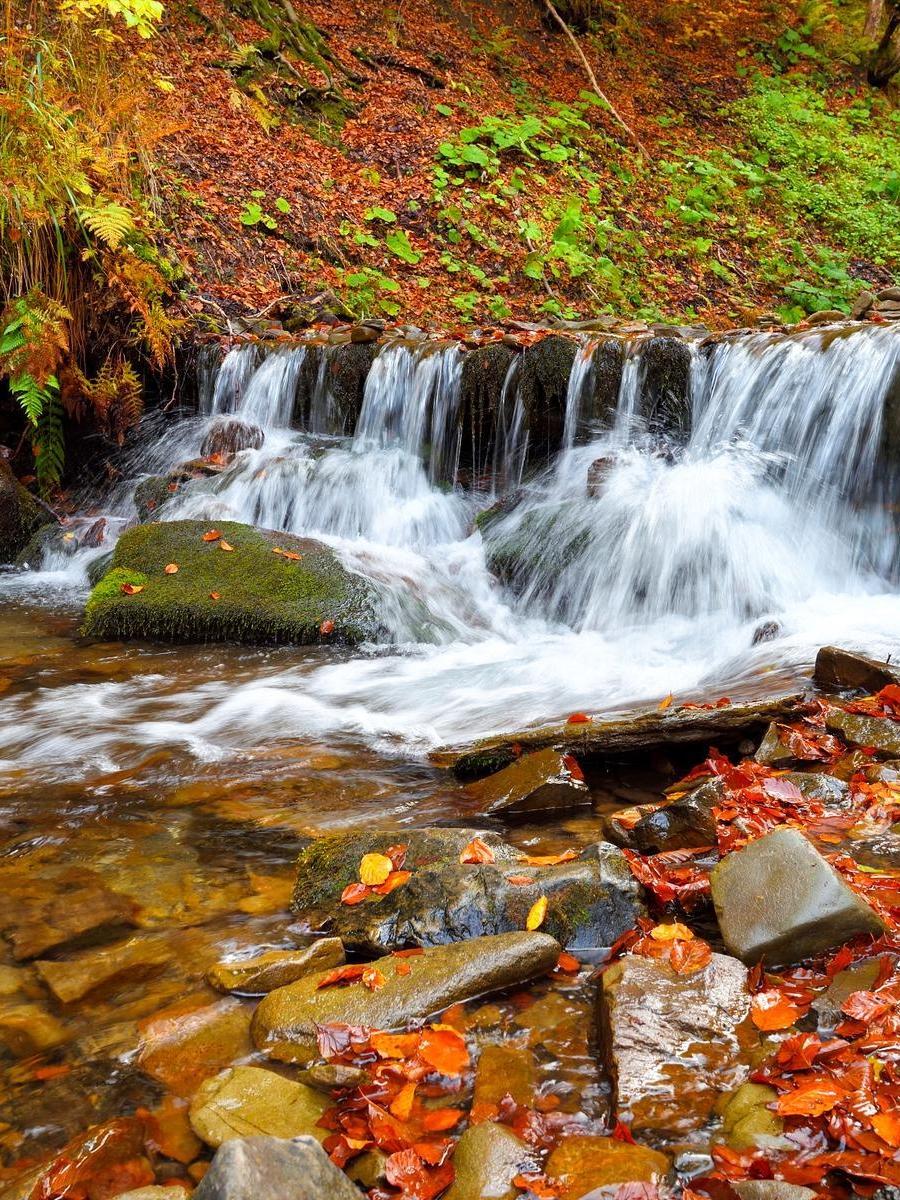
pixel 21 515
pixel 263 597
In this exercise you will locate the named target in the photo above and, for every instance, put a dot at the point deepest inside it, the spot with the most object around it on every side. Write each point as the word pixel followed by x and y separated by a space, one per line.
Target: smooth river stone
pixel 777 898
pixel 545 782
pixel 836 668
pixel 267 1168
pixel 674 1042
pixel 486 1160
pixel 277 968
pixel 124 962
pixel 185 1044
pixel 284 1025
pixel 246 1101
pixel 881 733
pixel 582 1162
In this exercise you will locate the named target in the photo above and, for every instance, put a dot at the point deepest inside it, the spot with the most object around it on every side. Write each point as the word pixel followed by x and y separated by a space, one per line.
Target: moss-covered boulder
pixel 666 384
pixel 484 373
pixel 21 515
pixel 592 899
pixel 346 370
pixel 527 547
pixel 152 493
pixel 268 588
pixel 546 367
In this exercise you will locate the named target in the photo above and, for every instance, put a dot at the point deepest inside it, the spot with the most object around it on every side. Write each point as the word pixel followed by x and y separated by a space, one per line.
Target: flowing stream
pixel 650 580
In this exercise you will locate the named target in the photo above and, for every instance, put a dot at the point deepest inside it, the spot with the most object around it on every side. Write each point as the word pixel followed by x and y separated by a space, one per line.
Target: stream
pixel 163 792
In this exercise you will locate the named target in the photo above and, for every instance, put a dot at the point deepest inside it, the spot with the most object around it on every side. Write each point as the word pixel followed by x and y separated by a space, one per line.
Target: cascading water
pixel 643 564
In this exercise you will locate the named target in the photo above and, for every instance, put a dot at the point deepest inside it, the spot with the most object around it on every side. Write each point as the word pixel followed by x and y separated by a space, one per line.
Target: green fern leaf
pixel 109 222
pixel 30 395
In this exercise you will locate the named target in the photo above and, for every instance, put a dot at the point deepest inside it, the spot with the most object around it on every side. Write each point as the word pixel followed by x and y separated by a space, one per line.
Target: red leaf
pixel 477 851
pixel 394 880
pixel 353 893
pixel 811 1098
pixel 349 974
pixel 578 718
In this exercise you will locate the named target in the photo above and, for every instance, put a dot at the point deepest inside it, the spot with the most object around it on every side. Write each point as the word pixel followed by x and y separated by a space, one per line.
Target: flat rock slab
pixel 246 1101
pixel 267 1168
pixel 674 1042
pixel 604 739
pixel 284 1025
pixel 125 962
pixel 582 1162
pixel 771 1189
pixel 72 908
pixel 879 733
pixel 486 1160
pixel 253 593
pixel 543 783
pixel 277 968
pixel 183 1045
pixel 836 669
pixel 778 899
pixel 592 899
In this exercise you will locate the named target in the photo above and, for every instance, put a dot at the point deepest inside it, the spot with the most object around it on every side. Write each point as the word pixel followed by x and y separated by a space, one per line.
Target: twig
pixel 593 78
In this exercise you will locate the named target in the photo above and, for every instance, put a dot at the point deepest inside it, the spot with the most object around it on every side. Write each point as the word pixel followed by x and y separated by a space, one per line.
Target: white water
pixel 774 510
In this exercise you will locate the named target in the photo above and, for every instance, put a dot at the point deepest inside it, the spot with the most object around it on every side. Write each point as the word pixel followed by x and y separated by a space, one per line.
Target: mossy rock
pixel 546 367
pixel 484 372
pixel 151 494
pixel 21 515
pixel 347 370
pixel 526 549
pixel 264 597
pixel 666 384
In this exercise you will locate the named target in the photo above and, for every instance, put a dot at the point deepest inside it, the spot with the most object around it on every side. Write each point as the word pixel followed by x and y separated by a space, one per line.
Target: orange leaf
pixel 443 1048
pixel 519 880
pixel 347 974
pixel 439 1119
pixel 812 1098
pixel 211 535
pixel 665 702
pixel 771 1010
pixel 668 933
pixel 578 718
pixel 215 595
pixel 394 1045
pixel 401 1105
pixel 568 963
pixel 353 893
pixel 887 1126
pixel 687 957
pixel 403 968
pixel 394 880
pixel 132 589
pixel 550 860
pixel 535 918
pixel 326 628
pixel 171 569
pixel 373 979
pixel 292 555
pixel 374 868
pixel 223 545
pixel 477 851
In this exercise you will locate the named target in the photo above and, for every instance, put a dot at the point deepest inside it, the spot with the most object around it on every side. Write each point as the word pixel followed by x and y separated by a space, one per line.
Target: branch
pixel 593 78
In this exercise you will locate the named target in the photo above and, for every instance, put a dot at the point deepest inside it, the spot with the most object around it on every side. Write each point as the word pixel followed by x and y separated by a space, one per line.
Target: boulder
pixel 544 386
pixel 21 515
pixel 284 1025
pixel 836 669
pixel 487 1158
pixel 152 493
pixel 251 594
pixel 748 1120
pixel 189 1042
pixel 124 962
pixel 26 1029
pixel 244 1101
pixel 673 1042
pixel 484 372
pixel 277 968
pixel 583 1162
pixel 346 371
pixel 607 363
pixel 636 733
pixel 229 435
pixel 771 1189
pixel 592 899
pixel 70 909
pixel 778 899
pixel 666 384
pixel 879 733
pixel 545 782
pixel 527 547
pixel 251 1168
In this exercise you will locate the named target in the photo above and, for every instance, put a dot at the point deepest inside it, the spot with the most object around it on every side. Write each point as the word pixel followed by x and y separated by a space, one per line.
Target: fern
pixel 111 223
pixel 48 442
pixel 31 396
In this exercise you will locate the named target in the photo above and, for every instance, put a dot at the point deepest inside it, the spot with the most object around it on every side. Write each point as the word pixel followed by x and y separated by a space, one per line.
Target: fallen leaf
pixel 812 1098
pixel 519 880
pixel 132 589
pixel 440 1119
pixel 292 555
pixel 477 851
pixel 223 545
pixel 668 933
pixel 549 860
pixel 666 702
pixel 401 1105
pixel 887 1126
pixel 353 893
pixel 687 957
pixel 374 869
pixel 443 1048
pixel 326 628
pixel 348 974
pixel 211 535
pixel 215 595
pixel 171 568
pixel 373 979
pixel 577 718
pixel 568 963
pixel 394 880
pixel 535 918
pixel 395 1045
pixel 771 1010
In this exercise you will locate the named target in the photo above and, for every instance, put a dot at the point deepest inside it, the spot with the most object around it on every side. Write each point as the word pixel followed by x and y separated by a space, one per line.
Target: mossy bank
pixel 255 592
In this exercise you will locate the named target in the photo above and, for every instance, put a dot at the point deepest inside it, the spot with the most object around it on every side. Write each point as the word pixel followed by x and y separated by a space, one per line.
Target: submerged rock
pixel 592 899
pixel 255 593
pixel 778 899
pixel 268 1168
pixel 861 977
pixel 748 1120
pixel 544 782
pixel 124 962
pixel 673 1042
pixel 771 1189
pixel 836 668
pixel 277 968
pixel 284 1025
pixel 503 1070
pixel 229 436
pixel 243 1101
pixel 487 1158
pixel 583 1162
pixel 21 515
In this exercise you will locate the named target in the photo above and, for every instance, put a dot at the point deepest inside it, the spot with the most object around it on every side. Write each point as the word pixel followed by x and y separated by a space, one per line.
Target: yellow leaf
pixel 374 869
pixel 223 545
pixel 664 704
pixel 669 933
pixel 536 916
pixel 171 569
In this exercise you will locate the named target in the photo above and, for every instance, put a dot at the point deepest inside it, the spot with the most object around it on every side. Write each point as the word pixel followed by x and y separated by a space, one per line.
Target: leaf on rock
pixel 444 1048
pixel 171 568
pixel 354 893
pixel 211 535
pixel 771 1010
pixel 131 589
pixel 538 911
pixel 375 868
pixel 578 718
pixel 223 545
pixel 477 851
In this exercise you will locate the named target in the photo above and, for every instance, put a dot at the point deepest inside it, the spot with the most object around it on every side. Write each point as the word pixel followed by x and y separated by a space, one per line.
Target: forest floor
pixel 454 166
